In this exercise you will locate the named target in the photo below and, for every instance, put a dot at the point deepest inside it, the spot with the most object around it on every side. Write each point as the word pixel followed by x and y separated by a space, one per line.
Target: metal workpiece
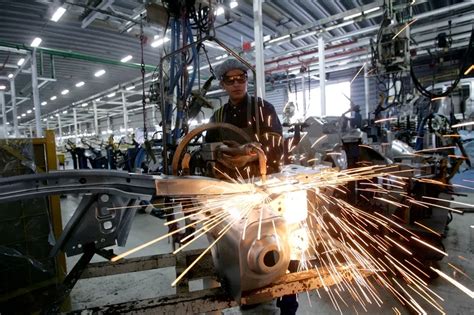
pixel 196 185
pixel 77 181
pixel 100 219
pixel 138 186
pixel 253 253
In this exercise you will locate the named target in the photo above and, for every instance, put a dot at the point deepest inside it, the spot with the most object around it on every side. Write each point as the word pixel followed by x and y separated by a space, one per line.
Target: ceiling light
pixel 99 73
pixel 36 42
pixel 222 56
pixel 352 16
pixel 219 11
pixel 131 87
pixel 45 119
pixel 64 92
pixel 10 75
pixel 3 87
pixel 21 61
pixel 111 95
pixel 97 99
pixel 28 111
pixel 44 103
pixel 84 104
pixel 233 4
pixel 79 84
pixel 57 115
pixel 65 112
pixel 159 42
pixel 126 58
pixel 371 10
pixel 277 39
pixel 18 117
pixel 23 115
pixel 58 14
pixel 53 98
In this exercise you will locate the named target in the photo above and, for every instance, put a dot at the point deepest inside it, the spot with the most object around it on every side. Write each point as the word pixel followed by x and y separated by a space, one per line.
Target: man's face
pixel 234 83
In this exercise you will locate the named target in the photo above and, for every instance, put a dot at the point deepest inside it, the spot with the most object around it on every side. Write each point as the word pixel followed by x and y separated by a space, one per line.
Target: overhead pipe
pixel 78 56
pixel 366 30
pixel 354 43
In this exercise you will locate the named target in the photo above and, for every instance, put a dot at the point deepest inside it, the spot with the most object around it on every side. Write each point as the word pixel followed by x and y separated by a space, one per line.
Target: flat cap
pixel 229 64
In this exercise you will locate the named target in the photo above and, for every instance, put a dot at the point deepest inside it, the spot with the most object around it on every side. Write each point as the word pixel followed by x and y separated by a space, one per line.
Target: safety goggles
pixel 229 80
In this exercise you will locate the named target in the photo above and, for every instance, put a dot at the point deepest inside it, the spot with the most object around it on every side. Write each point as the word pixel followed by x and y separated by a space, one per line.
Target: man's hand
pixel 232 154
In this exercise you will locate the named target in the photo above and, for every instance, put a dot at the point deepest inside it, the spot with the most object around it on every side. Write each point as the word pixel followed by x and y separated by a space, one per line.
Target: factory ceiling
pixel 96 35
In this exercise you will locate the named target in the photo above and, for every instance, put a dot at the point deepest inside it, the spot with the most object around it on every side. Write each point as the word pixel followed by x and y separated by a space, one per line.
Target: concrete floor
pixel 141 285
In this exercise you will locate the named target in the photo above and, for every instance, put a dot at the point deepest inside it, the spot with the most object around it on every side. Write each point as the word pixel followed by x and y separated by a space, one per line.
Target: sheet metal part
pixel 135 186
pixel 245 259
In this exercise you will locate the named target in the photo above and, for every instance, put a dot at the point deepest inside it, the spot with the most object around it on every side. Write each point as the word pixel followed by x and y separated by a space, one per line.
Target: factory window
pixel 336 102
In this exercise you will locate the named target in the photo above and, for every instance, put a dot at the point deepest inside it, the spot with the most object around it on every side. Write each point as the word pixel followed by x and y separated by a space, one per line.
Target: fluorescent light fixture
pixel 28 111
pixel 45 119
pixel 111 95
pixel 126 58
pixel 99 73
pixel 131 87
pixel 44 103
pixel 98 99
pixel 233 4
pixel 84 104
pixel 371 10
pixel 57 115
pixel 3 87
pixel 23 115
pixel 159 42
pixel 10 75
pixel 53 98
pixel 64 92
pixel 18 117
pixel 58 14
pixel 219 11
pixel 51 117
pixel 222 56
pixel 79 84
pixel 36 42
pixel 352 16
pixel 65 112
pixel 21 61
pixel 277 39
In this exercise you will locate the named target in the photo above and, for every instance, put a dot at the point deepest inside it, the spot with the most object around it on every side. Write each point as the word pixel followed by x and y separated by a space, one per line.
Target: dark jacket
pixel 243 116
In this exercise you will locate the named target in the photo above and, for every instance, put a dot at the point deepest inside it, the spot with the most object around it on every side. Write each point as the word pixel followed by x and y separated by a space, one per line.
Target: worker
pixel 240 112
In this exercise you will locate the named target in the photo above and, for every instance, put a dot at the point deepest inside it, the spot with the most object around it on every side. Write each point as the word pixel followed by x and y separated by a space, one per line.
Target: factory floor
pixel 88 293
